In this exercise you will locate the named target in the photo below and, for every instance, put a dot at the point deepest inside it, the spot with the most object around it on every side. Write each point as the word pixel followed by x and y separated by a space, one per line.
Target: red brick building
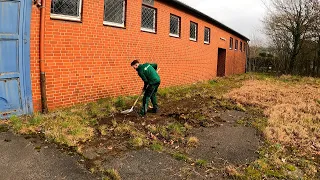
pixel 87 47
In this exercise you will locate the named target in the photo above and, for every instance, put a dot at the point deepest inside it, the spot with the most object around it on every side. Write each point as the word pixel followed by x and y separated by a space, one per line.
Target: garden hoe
pixel 130 110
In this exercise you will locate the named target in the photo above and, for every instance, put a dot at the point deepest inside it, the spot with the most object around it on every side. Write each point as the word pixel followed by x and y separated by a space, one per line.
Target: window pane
pixel 174 25
pixel 149 2
pixel 148 18
pixel 231 43
pixel 193 30
pixel 114 11
pixel 206 35
pixel 66 7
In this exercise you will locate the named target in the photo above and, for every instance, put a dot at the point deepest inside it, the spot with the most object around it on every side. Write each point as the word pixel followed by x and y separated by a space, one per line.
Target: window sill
pixel 148 30
pixel 174 35
pixel 64 17
pixel 113 24
pixel 194 40
pixel 207 43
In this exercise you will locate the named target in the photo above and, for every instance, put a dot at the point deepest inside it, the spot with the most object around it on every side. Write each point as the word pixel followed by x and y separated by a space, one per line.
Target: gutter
pixel 186 8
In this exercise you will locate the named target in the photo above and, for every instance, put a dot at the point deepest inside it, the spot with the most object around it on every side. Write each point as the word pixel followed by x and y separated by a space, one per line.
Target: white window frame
pixel 108 23
pixel 179 26
pixel 209 35
pixel 196 32
pixel 66 17
pixel 154 21
pixel 241 46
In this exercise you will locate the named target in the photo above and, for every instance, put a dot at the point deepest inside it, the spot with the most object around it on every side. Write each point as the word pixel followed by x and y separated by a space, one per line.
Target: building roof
pixel 203 16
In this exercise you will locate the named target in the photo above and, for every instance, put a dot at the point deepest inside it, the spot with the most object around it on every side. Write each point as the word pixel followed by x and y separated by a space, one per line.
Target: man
pixel 151 79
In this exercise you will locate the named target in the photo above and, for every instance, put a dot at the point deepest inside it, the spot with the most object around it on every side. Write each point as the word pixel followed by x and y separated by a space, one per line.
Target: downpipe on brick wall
pixel 41 5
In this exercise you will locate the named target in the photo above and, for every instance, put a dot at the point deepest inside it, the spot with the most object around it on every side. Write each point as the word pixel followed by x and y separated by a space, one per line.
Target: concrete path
pixel 26 159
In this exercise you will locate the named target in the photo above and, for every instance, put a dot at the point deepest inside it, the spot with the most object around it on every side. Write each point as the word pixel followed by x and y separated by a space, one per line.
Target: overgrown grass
pixel 193 142
pixel 201 162
pixel 180 157
pixel 112 174
pixel 291 107
pixel 293 114
pixel 156 146
pixel 291 126
pixel 72 125
pixel 216 87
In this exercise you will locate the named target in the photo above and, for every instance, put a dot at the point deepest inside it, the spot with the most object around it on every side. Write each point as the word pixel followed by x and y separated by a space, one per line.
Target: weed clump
pixel 193 142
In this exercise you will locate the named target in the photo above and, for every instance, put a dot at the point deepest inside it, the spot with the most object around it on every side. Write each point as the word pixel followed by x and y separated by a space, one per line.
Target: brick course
pixel 87 60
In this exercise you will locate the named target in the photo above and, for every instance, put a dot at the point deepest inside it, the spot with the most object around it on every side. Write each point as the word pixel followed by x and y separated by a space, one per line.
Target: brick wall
pixel 87 61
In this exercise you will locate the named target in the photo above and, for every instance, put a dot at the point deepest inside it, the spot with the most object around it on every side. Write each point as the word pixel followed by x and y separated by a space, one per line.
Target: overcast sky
pixel 244 16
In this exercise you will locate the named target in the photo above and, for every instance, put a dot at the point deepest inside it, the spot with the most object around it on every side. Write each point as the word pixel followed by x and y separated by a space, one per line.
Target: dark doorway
pixel 221 67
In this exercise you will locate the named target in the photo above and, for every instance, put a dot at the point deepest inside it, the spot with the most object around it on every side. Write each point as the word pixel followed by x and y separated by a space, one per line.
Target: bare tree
pixel 289 24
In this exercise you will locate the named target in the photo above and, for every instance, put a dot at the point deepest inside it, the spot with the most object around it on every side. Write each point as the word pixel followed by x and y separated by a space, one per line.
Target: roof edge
pixel 201 15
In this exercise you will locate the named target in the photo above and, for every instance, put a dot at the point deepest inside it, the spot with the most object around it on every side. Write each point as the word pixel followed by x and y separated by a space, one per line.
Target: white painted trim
pixel 191 39
pixel 148 30
pixel 113 24
pixel 174 35
pixel 206 42
pixel 64 17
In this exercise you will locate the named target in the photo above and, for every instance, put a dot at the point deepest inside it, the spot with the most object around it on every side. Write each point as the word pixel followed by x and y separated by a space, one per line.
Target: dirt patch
pixel 222 141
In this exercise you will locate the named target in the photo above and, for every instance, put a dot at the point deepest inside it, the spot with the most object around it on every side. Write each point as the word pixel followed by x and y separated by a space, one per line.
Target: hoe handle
pixel 137 100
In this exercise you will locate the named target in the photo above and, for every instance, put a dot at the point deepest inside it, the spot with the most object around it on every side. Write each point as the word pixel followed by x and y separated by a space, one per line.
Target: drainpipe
pixel 44 105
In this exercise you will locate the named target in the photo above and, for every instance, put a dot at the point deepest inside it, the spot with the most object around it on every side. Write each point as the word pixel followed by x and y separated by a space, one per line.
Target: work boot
pixel 155 110
pixel 142 113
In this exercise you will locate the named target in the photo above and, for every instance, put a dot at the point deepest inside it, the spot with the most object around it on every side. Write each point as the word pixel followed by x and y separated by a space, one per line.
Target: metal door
pixel 15 85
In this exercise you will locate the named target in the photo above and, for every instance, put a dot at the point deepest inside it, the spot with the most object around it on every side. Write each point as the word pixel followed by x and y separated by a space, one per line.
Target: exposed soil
pixel 222 141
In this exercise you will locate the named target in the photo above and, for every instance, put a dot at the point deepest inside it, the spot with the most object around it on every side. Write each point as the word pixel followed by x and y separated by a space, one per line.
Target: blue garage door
pixel 15 91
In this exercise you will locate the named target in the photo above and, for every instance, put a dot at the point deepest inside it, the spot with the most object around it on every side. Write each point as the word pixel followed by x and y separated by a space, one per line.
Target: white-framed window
pixel 148 19
pixel 236 45
pixel 175 25
pixel 207 35
pixel 66 9
pixel 193 31
pixel 241 46
pixel 231 43
pixel 114 13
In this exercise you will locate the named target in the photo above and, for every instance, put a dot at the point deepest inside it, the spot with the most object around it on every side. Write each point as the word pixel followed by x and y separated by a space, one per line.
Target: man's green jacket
pixel 148 74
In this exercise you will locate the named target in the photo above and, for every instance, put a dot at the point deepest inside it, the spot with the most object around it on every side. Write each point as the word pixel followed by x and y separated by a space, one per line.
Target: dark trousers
pixel 150 93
